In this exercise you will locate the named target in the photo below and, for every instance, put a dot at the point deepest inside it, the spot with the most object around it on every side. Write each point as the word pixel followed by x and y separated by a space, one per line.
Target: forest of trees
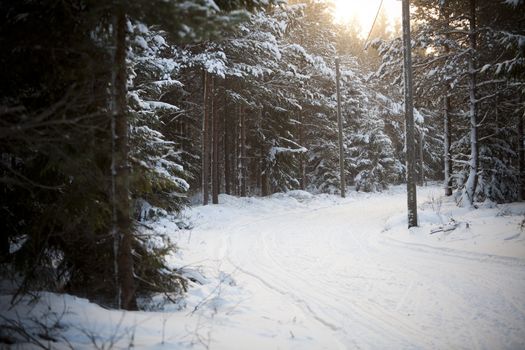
pixel 113 113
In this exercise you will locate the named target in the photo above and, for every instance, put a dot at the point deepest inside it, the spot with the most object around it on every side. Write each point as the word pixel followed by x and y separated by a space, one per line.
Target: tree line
pixel 114 114
pixel 469 69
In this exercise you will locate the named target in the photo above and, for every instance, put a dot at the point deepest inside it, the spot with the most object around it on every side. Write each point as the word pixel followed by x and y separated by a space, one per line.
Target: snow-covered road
pixel 329 278
pixel 296 271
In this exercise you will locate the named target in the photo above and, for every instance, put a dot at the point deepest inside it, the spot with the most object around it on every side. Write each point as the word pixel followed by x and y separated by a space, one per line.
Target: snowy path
pixel 295 271
pixel 328 278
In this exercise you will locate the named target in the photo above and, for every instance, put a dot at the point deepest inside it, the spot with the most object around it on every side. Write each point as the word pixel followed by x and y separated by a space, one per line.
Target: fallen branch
pixel 451 226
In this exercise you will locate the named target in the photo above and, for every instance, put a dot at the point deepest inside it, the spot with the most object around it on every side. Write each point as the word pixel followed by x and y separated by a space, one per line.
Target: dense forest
pixel 116 113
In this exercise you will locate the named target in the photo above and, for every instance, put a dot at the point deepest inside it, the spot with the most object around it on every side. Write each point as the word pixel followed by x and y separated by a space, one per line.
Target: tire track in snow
pixel 454 253
pixel 270 258
pixel 226 249
pixel 296 299
pixel 395 325
pixel 489 260
pixel 488 300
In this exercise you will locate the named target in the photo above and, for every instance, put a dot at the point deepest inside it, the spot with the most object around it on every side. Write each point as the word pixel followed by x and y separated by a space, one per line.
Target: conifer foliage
pixel 114 114
pixel 475 65
pixel 85 152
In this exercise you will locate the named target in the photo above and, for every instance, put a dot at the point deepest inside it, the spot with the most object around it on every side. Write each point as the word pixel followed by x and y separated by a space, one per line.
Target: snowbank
pixel 492 229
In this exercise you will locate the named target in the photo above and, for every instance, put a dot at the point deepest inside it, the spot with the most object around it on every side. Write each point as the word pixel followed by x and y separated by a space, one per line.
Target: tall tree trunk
pixel 472 181
pixel 258 171
pixel 4 248
pixel 236 151
pixel 242 152
pixel 496 112
pixel 120 172
pixel 409 118
pixel 180 132
pixel 342 178
pixel 5 245
pixel 302 167
pixel 261 179
pixel 265 186
pixel 220 148
pixel 227 155
pixel 421 159
pixel 215 150
pixel 447 141
pixel 446 112
pixel 4 237
pixel 521 152
pixel 264 173
pixel 205 141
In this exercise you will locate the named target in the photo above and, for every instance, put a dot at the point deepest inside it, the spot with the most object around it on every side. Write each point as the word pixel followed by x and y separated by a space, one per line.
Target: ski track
pixel 370 291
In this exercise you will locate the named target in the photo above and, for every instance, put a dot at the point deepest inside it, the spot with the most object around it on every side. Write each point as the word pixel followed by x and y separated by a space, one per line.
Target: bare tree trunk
pixel 227 155
pixel 205 142
pixel 265 186
pixel 258 174
pixel 472 181
pixel 521 152
pixel 180 132
pixel 421 159
pixel 4 248
pixel 409 117
pixel 302 167
pixel 220 148
pixel 236 151
pixel 264 173
pixel 4 238
pixel 215 149
pixel 447 138
pixel 120 172
pixel 242 152
pixel 446 113
pixel 261 164
pixel 496 112
pixel 114 203
pixel 342 179
pixel 258 171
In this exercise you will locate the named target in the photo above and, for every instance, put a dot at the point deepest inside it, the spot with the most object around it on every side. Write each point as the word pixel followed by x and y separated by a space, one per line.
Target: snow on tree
pixel 157 164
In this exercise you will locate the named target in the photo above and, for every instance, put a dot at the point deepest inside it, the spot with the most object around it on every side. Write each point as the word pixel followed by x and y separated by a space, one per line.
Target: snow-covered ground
pixel 296 271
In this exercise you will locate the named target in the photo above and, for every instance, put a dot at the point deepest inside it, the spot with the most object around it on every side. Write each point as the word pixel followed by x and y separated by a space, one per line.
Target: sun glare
pixel 364 11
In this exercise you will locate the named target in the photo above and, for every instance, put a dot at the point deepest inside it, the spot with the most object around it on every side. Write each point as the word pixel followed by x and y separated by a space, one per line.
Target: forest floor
pixel 302 271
